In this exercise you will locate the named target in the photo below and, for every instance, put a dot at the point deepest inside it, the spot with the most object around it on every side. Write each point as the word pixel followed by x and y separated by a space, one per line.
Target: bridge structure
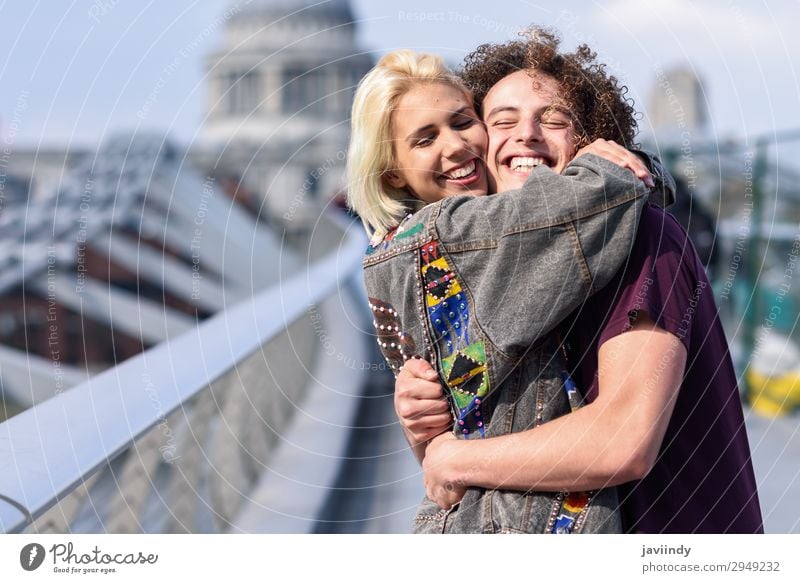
pixel 271 414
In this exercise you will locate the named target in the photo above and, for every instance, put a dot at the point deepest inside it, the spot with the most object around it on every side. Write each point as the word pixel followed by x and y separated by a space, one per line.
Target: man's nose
pixel 529 131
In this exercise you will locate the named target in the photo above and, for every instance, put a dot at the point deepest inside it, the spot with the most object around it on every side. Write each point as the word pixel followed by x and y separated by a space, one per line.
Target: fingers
pixel 620 156
pixel 419 402
pixel 418 380
pixel 442 424
pixel 447 495
pixel 419 368
pixel 636 165
pixel 424 420
pixel 419 394
pixel 416 412
pixel 432 425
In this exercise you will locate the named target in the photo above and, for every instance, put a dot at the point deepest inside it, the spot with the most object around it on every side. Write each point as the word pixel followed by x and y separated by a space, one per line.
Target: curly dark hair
pixel 598 102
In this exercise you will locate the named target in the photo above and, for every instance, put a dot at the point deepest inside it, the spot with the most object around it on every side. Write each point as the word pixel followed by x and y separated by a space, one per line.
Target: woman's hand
pixel 439 485
pixel 419 402
pixel 620 156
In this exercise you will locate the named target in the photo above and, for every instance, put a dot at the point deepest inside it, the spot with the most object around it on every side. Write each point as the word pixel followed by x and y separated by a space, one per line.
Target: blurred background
pixel 184 345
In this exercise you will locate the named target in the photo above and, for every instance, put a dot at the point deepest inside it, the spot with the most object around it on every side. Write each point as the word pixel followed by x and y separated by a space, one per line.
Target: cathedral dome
pixel 280 91
pixel 291 23
pixel 332 9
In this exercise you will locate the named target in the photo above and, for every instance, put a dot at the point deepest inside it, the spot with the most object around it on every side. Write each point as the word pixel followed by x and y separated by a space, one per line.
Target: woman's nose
pixel 455 143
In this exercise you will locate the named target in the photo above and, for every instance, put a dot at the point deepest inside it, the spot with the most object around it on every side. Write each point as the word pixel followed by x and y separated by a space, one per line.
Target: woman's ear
pixel 394 179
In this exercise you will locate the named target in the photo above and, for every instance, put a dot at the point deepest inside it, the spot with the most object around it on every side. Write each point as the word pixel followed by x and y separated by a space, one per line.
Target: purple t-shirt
pixel 703 479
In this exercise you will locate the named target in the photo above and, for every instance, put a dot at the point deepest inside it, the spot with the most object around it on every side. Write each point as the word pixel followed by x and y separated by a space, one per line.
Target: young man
pixel 664 419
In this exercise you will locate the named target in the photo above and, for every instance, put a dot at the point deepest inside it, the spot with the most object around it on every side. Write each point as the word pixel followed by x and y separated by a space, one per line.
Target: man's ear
pixel 394 179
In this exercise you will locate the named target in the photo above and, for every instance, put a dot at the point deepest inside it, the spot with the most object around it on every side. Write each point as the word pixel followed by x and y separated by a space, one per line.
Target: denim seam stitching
pixel 581 256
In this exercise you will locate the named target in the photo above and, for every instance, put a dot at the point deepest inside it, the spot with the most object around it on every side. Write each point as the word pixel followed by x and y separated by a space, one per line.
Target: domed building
pixel 280 91
pixel 122 247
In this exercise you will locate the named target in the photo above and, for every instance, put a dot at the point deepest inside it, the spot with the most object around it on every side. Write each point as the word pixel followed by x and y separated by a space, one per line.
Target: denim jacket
pixel 475 285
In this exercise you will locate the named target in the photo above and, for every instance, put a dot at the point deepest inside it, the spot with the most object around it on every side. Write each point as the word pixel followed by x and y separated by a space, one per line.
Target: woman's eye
pixel 464 123
pixel 425 141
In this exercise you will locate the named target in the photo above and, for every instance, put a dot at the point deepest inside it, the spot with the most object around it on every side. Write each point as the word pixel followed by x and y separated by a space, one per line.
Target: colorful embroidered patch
pixel 450 319
pixel 402 231
pixel 440 281
pixel 383 244
pixel 470 418
pixel 396 346
pixel 447 304
pixel 429 252
pixel 466 376
pixel 563 525
pixel 573 396
pixel 571 507
pixel 576 502
pixel 463 364
pixel 465 371
pixel 409 232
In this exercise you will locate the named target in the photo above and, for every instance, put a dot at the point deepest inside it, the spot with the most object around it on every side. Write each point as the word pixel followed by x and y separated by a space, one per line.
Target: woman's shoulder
pixel 410 233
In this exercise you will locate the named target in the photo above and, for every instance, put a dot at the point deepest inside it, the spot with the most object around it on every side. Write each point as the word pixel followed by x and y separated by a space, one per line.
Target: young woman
pixel 475 284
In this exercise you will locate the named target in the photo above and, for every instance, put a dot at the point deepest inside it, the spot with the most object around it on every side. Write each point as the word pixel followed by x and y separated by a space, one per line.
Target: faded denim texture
pixel 524 260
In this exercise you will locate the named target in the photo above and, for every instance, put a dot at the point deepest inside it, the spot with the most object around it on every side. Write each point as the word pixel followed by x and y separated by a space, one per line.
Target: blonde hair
pixel 371 154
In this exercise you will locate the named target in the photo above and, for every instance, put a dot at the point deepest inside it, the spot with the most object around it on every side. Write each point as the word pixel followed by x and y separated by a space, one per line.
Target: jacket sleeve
pixel 664 192
pixel 528 258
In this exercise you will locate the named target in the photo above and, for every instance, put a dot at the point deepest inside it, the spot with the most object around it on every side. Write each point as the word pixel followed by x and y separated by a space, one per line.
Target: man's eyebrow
pixel 501 109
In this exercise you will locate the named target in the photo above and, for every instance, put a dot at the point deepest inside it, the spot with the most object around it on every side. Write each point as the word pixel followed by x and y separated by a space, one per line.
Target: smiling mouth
pixel 526 164
pixel 462 172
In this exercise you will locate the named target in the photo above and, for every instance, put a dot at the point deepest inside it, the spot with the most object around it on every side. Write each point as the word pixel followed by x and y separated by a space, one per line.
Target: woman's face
pixel 439 144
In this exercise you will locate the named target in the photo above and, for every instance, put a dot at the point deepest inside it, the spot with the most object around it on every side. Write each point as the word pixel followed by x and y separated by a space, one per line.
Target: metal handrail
pixel 50 449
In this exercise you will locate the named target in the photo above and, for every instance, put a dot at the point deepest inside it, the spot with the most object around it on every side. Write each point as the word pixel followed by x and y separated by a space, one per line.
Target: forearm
pixel 613 440
pixel 580 451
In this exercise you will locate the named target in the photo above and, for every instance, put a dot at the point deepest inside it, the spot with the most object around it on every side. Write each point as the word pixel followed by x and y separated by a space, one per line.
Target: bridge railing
pixel 191 435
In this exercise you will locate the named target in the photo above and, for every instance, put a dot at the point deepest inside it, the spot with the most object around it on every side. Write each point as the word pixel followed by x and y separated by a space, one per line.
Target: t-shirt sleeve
pixel 660 280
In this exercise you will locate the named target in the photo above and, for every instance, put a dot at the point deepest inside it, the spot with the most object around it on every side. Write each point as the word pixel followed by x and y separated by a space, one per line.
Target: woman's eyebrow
pixel 419 131
pixel 430 126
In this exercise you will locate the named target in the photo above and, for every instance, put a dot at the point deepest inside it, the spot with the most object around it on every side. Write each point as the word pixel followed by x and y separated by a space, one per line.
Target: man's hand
pixel 419 402
pixel 620 156
pixel 439 486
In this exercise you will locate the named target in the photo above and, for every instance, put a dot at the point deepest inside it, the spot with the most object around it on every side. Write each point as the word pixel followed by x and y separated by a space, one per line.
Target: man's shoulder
pixel 660 260
pixel 660 230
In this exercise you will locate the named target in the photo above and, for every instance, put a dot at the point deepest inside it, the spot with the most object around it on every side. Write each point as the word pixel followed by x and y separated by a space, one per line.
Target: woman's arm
pixel 528 258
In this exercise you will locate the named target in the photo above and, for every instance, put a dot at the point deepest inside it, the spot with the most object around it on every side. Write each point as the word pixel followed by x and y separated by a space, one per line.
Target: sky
pixel 72 72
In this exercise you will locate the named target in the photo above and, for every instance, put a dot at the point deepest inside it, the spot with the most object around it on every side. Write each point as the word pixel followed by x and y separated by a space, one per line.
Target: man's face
pixel 528 125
